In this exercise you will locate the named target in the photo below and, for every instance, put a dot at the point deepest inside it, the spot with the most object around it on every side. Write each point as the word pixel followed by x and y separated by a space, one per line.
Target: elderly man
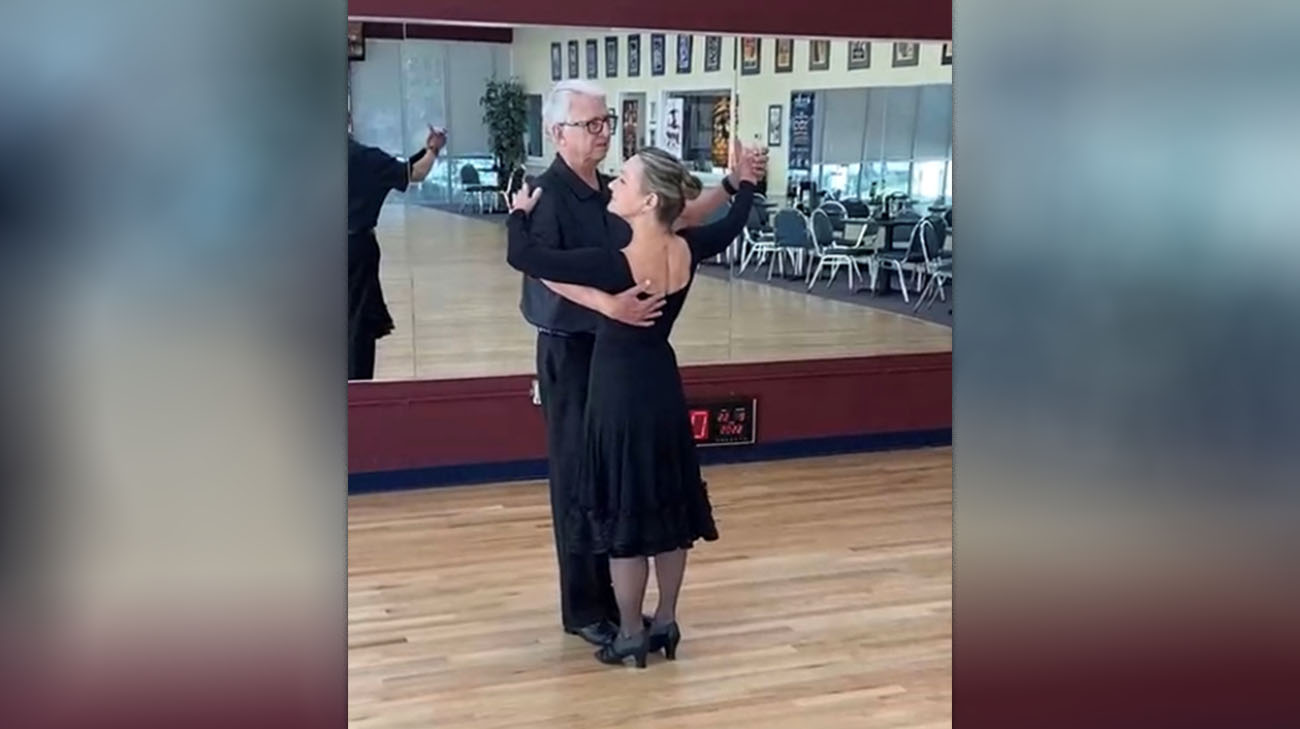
pixel 572 214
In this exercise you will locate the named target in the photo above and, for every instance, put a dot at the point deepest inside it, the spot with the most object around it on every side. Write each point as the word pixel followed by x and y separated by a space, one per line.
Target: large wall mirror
pixel 835 263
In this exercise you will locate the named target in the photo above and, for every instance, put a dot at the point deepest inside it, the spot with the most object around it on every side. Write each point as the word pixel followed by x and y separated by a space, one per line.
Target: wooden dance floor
pixel 456 306
pixel 827 602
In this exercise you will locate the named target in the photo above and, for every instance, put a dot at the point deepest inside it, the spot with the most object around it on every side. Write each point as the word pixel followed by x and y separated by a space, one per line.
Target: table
pixel 887 229
pixel 864 222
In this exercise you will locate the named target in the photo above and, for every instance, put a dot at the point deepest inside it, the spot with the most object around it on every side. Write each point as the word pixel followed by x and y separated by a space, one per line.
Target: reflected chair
pixel 473 190
pixel 940 276
pixel 793 239
pixel 757 239
pixel 915 258
pixel 829 250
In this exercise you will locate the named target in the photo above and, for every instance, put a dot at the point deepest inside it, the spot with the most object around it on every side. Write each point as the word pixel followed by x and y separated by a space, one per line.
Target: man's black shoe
pixel 598 634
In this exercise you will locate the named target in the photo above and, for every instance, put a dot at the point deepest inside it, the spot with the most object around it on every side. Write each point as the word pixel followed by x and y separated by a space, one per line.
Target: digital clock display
pixel 729 422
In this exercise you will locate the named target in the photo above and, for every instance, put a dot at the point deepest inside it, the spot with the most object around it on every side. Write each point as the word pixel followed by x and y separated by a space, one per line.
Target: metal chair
pixel 838 214
pixel 915 258
pixel 793 237
pixel 827 250
pixel 940 276
pixel 856 208
pixel 756 239
pixel 472 188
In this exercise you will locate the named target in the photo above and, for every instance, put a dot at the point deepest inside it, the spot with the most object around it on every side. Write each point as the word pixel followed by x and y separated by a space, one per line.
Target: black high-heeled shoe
pixel 635 646
pixel 666 638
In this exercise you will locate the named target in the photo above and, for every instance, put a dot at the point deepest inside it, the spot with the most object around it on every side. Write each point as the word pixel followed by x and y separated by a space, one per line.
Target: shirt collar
pixel 580 188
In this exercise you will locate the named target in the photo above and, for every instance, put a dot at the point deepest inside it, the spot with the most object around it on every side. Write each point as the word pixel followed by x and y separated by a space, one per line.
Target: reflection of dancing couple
pixel 625 482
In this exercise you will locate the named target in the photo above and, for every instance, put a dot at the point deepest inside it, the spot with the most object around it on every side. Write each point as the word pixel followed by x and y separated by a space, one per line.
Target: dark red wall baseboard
pixel 408 425
pixel 904 19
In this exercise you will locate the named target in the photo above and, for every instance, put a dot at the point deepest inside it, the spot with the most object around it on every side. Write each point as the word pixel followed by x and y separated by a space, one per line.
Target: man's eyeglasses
pixel 597 125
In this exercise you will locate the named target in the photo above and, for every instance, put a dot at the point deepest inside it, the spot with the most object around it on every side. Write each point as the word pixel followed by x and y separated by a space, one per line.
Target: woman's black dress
pixel 640 491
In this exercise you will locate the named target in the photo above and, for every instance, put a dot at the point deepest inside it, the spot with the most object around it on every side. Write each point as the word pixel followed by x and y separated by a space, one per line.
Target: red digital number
pixel 700 424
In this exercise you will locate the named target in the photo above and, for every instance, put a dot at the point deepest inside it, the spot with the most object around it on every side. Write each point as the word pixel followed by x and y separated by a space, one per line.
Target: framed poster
pixel 712 53
pixel 573 59
pixel 774 114
pixel 634 55
pixel 720 141
pixel 819 55
pixel 685 48
pixel 946 58
pixel 801 130
pixel 859 55
pixel 657 54
pixel 672 126
pixel 631 127
pixel 557 62
pixel 593 58
pixel 784 55
pixel 652 125
pixel 907 54
pixel 751 56
pixel 356 42
pixel 611 56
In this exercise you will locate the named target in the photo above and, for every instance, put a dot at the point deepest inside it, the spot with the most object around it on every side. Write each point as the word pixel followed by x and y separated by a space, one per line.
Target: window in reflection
pixel 927 180
pixel 534 125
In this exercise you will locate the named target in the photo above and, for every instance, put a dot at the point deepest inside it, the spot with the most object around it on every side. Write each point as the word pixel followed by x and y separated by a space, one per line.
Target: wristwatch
pixel 730 188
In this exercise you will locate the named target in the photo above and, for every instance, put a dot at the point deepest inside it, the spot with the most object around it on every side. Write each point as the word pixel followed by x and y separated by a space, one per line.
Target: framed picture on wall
pixel 720 141
pixel 819 55
pixel 356 42
pixel 657 54
pixel 631 127
pixel 557 62
pixel 712 53
pixel 573 59
pixel 946 58
pixel 784 55
pixel 685 49
pixel 801 130
pixel 593 58
pixel 907 54
pixel 751 56
pixel 859 55
pixel 634 55
pixel 611 56
pixel 774 114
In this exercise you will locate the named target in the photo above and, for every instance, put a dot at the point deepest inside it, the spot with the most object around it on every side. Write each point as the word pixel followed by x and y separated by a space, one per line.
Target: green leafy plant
pixel 505 112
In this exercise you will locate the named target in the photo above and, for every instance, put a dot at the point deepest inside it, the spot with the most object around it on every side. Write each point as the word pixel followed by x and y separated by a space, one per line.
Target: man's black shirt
pixel 570 214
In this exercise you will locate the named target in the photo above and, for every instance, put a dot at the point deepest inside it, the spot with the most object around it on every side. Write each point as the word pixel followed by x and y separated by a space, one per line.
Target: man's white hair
pixel 560 100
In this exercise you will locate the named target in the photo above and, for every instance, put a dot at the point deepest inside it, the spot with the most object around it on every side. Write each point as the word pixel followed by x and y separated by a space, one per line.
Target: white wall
pixel 531 53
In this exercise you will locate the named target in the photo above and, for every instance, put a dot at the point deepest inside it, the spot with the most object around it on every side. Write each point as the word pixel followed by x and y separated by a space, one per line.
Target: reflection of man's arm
pixel 698 211
pixel 421 163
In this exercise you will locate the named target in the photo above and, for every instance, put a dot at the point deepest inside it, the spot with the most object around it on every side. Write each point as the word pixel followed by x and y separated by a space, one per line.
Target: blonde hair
pixel 670 181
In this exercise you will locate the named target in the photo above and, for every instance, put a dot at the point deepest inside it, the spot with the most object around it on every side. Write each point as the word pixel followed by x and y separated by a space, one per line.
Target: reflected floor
pixel 456 307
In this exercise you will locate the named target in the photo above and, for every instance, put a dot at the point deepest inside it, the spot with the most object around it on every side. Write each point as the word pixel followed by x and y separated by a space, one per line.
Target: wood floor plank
pixel 827 602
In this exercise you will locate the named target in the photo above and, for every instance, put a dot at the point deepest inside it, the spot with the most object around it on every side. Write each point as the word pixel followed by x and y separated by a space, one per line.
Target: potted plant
pixel 505 112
